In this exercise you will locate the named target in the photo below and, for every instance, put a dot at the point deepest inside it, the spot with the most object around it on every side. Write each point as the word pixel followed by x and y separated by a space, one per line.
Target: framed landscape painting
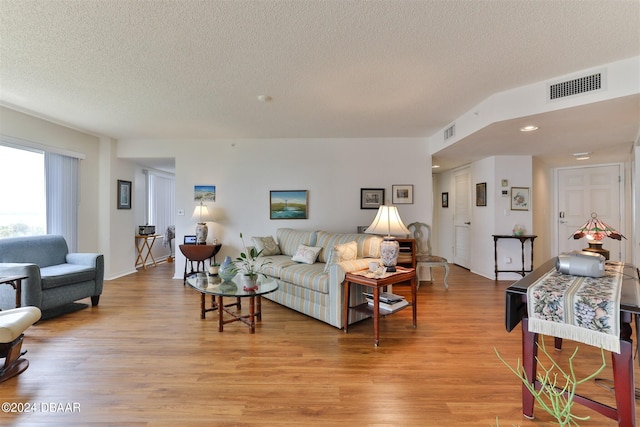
pixel 289 204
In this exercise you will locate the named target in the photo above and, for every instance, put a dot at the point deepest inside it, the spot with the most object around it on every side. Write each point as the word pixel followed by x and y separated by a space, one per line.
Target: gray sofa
pixel 55 276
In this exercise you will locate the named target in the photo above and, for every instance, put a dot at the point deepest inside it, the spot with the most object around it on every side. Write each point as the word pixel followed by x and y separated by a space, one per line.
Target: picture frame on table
pixel 371 198
pixel 520 198
pixel 289 204
pixel 402 194
pixel 481 194
pixel 124 194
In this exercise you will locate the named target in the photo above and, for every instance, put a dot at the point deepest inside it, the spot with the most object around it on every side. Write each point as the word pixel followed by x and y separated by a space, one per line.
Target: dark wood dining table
pixel 623 376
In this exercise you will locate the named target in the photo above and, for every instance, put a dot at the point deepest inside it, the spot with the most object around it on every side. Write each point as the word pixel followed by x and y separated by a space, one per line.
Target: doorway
pixel 462 217
pixel 583 191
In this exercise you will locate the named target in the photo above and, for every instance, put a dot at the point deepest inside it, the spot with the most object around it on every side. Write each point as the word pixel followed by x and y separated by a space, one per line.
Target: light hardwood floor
pixel 143 357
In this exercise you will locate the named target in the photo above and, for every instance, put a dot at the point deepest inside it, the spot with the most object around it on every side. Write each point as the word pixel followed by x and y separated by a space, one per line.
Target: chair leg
pixel 446 274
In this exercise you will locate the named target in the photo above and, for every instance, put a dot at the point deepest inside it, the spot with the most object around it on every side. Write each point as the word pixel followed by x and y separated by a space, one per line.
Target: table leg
pixel 495 255
pixel 252 314
pixel 529 353
pixel 150 253
pixel 376 315
pixel 220 314
pixel 345 312
pixel 202 305
pixel 259 308
pixel 414 300
pixel 623 378
pixel 522 242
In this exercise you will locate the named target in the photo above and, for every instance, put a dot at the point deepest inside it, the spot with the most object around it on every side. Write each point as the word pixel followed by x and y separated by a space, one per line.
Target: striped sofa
pixel 316 289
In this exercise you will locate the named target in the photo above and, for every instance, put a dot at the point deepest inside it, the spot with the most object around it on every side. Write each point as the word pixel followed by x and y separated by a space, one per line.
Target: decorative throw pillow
pixel 343 252
pixel 267 245
pixel 306 254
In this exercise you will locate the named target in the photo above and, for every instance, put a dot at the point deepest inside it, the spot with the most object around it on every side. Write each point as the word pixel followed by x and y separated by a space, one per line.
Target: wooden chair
pixel 422 234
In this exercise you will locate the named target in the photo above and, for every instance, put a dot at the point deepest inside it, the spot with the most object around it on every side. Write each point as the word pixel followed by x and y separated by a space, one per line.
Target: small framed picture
pixel 481 194
pixel 520 199
pixel 445 200
pixel 292 204
pixel 124 194
pixel 402 194
pixel 371 198
pixel 190 240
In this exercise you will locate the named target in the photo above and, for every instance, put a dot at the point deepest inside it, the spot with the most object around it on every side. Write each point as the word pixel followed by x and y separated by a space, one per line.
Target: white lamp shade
pixel 388 222
pixel 201 214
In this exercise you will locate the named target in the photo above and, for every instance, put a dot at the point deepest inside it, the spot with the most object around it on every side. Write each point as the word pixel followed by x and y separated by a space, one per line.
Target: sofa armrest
pixel 93 260
pixel 31 287
pixel 88 259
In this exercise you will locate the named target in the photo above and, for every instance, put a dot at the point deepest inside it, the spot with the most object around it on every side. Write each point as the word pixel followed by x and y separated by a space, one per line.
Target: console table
pixel 198 253
pixel 623 375
pixel 523 238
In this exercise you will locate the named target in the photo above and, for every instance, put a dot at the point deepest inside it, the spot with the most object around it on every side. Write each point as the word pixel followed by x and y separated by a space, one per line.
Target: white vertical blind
pixel 161 201
pixel 61 177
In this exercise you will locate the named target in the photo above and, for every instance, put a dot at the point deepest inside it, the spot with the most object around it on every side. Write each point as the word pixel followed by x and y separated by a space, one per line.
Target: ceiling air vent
pixel 576 86
pixel 449 132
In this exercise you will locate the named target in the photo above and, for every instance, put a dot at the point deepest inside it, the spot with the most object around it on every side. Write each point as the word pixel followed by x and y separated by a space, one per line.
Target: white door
pixel 462 218
pixel 582 191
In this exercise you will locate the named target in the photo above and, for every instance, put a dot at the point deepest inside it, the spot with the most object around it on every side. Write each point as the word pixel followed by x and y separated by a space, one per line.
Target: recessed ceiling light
pixel 264 98
pixel 581 154
pixel 435 166
pixel 583 158
pixel 529 128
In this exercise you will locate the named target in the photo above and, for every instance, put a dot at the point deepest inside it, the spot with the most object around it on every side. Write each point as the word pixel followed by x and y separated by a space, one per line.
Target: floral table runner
pixel 583 309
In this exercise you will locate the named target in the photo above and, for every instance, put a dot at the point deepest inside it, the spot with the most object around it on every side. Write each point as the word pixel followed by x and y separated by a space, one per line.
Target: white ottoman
pixel 13 323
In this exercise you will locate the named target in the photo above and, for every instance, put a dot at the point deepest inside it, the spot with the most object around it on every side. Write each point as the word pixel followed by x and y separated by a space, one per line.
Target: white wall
pixel 495 218
pixel 332 170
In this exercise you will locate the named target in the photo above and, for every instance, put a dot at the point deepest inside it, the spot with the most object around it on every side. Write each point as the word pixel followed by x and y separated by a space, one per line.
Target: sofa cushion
pixel 310 276
pixel 343 252
pixel 306 254
pixel 278 263
pixel 368 245
pixel 66 274
pixel 267 245
pixel 289 239
pixel 40 250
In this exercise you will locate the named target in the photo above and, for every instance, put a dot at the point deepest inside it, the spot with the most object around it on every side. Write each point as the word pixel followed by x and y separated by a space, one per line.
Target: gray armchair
pixel 55 276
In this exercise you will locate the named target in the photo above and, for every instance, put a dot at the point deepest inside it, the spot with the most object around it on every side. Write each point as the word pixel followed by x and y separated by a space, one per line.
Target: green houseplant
pixel 557 386
pixel 249 266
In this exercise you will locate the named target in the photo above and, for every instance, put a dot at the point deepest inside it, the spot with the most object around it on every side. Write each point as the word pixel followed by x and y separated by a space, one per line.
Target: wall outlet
pixel 180 212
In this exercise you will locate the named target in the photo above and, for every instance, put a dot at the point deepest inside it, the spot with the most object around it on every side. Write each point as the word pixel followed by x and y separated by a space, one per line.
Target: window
pixel 38 193
pixel 22 192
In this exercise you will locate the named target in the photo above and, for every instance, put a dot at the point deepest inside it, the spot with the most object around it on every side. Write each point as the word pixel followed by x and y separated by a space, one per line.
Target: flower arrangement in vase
pixel 249 265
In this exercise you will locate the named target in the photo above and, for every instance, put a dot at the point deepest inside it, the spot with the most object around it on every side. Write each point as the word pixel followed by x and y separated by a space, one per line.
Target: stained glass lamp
pixel 594 230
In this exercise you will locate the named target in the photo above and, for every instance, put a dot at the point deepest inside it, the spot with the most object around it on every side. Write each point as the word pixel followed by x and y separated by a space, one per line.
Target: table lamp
pixel 594 230
pixel 201 213
pixel 388 222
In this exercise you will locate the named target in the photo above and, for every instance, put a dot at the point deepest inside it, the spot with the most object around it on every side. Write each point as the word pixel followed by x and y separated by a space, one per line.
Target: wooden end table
pixel 16 283
pixel 400 276
pixel 198 254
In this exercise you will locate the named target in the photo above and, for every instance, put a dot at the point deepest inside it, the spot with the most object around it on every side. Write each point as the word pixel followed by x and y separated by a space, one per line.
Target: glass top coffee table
pixel 218 289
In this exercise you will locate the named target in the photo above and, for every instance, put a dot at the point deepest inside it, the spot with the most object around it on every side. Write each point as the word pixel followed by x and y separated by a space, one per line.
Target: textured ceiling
pixel 195 69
